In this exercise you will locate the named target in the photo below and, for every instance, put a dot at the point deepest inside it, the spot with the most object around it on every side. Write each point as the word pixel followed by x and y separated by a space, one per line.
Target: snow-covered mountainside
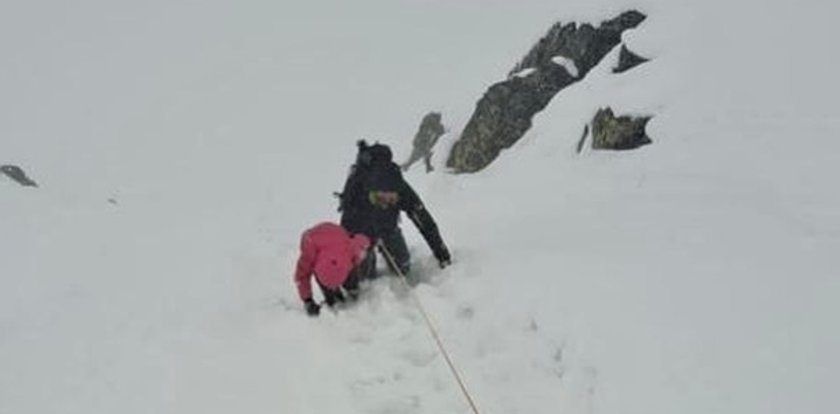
pixel 181 147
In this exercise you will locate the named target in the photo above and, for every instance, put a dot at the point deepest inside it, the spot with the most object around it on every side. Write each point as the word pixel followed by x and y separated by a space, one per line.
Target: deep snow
pixel 694 275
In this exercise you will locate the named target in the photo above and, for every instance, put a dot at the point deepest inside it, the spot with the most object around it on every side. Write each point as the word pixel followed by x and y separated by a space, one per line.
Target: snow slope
pixel 182 147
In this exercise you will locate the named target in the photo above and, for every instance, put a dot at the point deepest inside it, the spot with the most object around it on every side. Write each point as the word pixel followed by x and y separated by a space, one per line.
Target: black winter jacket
pixel 375 193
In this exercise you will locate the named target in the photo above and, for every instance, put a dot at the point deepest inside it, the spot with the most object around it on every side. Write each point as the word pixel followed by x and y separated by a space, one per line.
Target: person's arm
pixel 303 274
pixel 412 205
pixel 305 266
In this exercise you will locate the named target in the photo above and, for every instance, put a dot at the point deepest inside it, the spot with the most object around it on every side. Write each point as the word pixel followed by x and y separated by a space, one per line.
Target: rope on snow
pixel 430 325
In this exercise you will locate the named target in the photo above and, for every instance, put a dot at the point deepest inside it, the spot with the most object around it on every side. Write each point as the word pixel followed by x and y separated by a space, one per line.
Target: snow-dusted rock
pixel 628 60
pixel 566 63
pixel 618 133
pixel 504 113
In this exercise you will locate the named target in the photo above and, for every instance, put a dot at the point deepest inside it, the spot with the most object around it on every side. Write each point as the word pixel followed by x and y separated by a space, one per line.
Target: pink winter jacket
pixel 329 252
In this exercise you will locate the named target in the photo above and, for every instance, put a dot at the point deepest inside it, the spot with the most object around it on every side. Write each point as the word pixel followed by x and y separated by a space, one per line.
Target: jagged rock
pixel 503 115
pixel 585 45
pixel 18 175
pixel 618 133
pixel 431 129
pixel 628 60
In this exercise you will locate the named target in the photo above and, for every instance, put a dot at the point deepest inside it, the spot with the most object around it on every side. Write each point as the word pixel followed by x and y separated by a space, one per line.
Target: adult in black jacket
pixel 374 195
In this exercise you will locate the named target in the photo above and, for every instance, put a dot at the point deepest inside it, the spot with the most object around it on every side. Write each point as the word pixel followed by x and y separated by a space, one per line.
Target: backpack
pixel 370 202
pixel 371 160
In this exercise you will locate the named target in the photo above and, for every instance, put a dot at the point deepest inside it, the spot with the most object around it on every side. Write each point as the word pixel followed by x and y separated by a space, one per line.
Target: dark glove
pixel 443 257
pixel 331 297
pixel 312 308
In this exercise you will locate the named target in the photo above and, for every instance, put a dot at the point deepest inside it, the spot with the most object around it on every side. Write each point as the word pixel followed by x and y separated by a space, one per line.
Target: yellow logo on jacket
pixel 383 199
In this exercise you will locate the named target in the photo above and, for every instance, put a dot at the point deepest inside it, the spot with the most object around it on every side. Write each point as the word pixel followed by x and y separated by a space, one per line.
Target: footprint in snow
pixel 408 405
pixel 418 358
pixel 465 312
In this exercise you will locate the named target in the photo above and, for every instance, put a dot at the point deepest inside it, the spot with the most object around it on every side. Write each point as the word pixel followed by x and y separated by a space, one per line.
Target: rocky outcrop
pixel 628 60
pixel 503 115
pixel 584 44
pixel 18 175
pixel 618 133
pixel 431 129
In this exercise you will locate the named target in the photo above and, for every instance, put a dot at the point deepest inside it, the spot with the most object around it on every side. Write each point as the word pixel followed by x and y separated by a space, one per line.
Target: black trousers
pixel 391 246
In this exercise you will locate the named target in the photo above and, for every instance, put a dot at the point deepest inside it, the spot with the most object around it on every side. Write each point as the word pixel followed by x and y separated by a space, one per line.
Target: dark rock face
pixel 585 45
pixel 503 115
pixel 18 175
pixel 618 133
pixel 628 60
pixel 431 129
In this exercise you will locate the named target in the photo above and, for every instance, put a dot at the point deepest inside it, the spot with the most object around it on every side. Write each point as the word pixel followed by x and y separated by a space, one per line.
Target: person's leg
pixel 367 268
pixel 395 245
pixel 351 285
pixel 331 296
pixel 428 161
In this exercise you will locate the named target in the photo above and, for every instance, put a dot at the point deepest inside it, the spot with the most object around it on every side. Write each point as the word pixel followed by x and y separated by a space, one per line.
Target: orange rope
pixel 431 326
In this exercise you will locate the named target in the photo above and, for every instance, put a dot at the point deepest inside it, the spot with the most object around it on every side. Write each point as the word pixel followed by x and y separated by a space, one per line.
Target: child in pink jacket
pixel 331 254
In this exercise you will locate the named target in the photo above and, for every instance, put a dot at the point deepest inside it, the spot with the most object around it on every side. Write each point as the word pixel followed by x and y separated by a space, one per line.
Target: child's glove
pixel 312 308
